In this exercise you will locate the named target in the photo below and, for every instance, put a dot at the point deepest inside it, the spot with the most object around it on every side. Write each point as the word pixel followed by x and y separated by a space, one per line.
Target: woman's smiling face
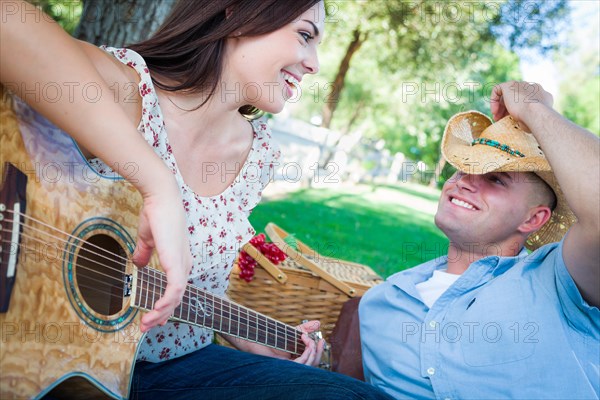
pixel 265 71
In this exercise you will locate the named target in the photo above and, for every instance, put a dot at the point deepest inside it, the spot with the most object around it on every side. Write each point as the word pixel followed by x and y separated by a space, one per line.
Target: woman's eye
pixel 306 36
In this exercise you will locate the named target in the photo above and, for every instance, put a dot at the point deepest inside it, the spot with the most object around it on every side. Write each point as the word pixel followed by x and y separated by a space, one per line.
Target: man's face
pixel 479 210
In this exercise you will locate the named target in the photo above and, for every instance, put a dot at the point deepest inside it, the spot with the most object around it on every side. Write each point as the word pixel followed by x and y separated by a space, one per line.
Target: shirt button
pixel 431 371
pixel 432 324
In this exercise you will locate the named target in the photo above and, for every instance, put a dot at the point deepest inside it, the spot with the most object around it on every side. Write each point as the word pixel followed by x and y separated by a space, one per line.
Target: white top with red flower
pixel 218 225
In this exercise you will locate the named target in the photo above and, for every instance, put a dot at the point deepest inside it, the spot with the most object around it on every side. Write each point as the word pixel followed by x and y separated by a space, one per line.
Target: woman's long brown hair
pixel 186 53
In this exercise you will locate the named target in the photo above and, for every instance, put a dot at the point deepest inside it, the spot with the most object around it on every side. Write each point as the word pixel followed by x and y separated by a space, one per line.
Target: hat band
pixel 503 147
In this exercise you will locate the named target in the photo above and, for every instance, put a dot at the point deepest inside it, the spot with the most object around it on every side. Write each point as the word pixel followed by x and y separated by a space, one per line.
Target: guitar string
pixel 81 240
pixel 79 284
pixel 294 334
pixel 33 250
pixel 241 319
pixel 270 325
pixel 255 334
pixel 85 242
pixel 100 255
pixel 66 234
pixel 250 327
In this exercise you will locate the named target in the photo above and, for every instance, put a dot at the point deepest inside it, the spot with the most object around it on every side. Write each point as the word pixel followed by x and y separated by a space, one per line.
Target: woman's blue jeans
pixel 218 372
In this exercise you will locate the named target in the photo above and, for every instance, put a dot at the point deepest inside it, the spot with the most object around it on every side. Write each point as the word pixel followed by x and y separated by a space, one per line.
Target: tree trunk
pixel 121 22
pixel 338 84
pixel 353 118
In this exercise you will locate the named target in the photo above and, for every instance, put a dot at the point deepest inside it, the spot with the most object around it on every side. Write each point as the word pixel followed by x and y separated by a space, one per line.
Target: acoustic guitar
pixel 70 298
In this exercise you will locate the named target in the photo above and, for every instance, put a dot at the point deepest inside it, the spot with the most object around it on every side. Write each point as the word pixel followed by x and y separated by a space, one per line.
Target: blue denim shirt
pixel 509 327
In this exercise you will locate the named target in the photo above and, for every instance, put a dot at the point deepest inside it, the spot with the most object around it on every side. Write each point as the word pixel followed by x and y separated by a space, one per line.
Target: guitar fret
pixel 251 325
pixel 269 323
pixel 231 323
pixel 214 312
pixel 189 296
pixel 276 332
pixel 296 344
pixel 221 319
pixel 286 339
pixel 203 314
pixel 257 329
pixel 196 315
pixel 161 290
pixel 242 323
pixel 246 324
pixel 258 325
pixel 212 320
pixel 238 321
pixel 266 331
pixel 153 298
pixel 147 291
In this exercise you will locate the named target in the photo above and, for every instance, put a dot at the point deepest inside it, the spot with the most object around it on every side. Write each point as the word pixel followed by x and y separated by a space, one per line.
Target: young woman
pixel 186 125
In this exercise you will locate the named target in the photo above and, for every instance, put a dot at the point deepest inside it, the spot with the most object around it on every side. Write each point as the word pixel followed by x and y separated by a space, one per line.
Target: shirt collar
pixel 494 265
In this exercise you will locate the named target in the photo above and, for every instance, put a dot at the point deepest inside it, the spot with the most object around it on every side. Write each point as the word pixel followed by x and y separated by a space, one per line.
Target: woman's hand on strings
pixel 162 226
pixel 310 356
pixel 314 350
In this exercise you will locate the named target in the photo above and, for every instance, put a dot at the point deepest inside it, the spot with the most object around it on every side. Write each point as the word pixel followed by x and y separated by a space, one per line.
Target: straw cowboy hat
pixel 474 145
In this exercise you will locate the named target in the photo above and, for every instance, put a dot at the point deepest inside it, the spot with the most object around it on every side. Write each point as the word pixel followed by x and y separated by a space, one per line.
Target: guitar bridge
pixel 127 285
pixel 12 211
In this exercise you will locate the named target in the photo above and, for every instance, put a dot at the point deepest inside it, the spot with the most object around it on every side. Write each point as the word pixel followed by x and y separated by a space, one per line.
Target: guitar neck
pixel 204 309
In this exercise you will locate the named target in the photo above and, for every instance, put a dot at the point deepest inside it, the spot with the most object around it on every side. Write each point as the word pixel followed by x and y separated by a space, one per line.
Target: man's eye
pixel 497 180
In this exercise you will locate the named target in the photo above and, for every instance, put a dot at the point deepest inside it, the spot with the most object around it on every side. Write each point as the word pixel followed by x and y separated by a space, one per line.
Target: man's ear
pixel 538 216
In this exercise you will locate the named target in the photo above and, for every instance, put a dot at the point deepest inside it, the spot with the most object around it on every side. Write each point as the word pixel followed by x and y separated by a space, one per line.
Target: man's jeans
pixel 217 372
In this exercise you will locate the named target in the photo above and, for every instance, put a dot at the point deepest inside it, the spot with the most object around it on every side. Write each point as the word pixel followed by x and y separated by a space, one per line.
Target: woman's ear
pixel 538 216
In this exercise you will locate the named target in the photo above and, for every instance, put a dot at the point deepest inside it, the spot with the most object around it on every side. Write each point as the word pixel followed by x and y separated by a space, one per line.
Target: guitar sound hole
pixel 100 274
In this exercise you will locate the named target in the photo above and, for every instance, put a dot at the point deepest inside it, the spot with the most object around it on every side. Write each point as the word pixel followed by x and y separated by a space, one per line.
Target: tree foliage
pixel 418 63
pixel 66 12
pixel 579 66
pixel 391 69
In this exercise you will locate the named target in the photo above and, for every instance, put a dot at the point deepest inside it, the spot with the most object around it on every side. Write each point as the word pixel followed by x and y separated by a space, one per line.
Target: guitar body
pixel 68 326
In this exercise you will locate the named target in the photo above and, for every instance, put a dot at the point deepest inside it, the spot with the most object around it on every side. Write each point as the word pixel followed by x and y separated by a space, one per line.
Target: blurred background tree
pixel 111 22
pixel 397 70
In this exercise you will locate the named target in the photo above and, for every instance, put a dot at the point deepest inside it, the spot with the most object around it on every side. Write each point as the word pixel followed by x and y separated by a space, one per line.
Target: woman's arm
pixel 35 54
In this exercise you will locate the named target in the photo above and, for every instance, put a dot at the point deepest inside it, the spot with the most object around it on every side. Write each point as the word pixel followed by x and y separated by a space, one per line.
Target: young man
pixel 490 320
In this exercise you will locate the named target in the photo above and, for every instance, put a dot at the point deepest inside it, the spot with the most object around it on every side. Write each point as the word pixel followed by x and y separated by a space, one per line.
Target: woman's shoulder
pixel 108 65
pixel 121 78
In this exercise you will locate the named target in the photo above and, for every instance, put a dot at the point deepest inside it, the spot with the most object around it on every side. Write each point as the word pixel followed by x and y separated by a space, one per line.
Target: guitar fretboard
pixel 201 308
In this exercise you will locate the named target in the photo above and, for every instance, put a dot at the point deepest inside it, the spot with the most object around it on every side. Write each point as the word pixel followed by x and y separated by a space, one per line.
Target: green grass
pixel 386 227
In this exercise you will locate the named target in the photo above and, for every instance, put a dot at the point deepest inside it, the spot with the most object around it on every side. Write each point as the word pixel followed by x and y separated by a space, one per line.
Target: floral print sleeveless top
pixel 218 225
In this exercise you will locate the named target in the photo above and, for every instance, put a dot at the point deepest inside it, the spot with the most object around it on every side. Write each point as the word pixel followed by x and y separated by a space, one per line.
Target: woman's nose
pixel 311 64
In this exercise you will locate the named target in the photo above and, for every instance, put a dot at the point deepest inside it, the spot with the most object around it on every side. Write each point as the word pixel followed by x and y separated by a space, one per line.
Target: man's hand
pixel 515 98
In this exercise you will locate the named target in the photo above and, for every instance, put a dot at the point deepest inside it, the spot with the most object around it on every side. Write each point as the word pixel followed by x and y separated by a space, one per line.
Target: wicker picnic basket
pixel 305 286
